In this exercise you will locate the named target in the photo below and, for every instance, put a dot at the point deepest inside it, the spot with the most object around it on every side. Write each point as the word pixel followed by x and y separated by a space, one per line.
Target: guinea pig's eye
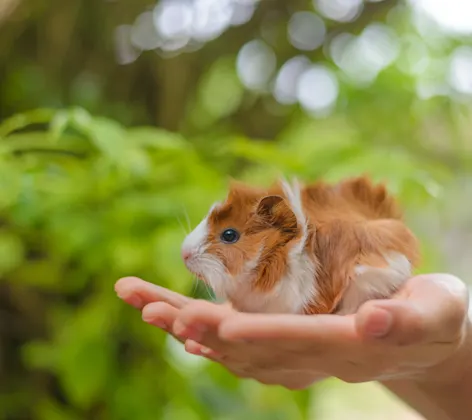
pixel 230 236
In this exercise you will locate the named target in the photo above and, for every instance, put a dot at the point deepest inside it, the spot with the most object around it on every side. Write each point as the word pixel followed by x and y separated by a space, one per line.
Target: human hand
pixel 161 307
pixel 419 334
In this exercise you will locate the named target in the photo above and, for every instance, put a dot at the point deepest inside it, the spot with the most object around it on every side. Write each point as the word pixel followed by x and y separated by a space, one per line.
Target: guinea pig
pixel 303 249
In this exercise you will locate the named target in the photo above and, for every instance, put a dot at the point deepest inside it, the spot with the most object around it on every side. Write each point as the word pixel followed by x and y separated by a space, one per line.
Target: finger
pixel 193 347
pixel 204 315
pixel 432 310
pixel 138 293
pixel 160 314
pixel 200 320
pixel 319 329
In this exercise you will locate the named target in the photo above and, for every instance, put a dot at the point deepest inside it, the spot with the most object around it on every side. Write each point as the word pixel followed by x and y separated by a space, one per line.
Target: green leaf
pixel 109 137
pixel 19 121
pixel 157 138
pixel 58 125
pixel 265 153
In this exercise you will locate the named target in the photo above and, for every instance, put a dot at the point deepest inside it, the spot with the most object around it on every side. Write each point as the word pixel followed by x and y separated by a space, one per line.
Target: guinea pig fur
pixel 303 249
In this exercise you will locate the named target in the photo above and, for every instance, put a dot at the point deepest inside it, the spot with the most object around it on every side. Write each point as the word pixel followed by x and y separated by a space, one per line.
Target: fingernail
pixel 205 351
pixel 379 323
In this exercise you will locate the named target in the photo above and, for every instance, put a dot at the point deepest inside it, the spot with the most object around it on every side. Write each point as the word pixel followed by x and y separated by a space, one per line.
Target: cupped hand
pixel 418 334
pixel 171 312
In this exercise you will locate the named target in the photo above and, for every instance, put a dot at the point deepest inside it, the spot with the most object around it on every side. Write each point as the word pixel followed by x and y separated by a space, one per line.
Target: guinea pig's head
pixel 242 244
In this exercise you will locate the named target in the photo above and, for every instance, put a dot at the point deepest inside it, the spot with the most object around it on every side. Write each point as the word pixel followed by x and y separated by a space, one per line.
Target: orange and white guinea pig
pixel 303 249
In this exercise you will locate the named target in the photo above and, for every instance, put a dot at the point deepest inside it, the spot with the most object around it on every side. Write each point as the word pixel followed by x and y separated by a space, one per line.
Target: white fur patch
pixel 215 273
pixel 290 295
pixel 298 286
pixel 373 282
pixel 194 242
pixel 294 198
pixel 239 289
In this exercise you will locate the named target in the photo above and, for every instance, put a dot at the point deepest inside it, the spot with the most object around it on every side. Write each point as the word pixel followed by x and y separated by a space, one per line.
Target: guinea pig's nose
pixel 186 254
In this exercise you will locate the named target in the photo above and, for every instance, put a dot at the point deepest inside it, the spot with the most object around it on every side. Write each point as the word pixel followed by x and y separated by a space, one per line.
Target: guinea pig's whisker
pixel 182 225
pixel 195 285
pixel 207 288
pixel 189 225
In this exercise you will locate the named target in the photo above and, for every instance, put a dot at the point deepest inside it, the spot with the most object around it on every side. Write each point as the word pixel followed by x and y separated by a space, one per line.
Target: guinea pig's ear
pixel 274 211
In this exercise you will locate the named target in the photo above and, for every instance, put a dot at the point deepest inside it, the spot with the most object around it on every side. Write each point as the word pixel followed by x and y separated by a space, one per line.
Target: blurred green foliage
pixel 103 168
pixel 85 201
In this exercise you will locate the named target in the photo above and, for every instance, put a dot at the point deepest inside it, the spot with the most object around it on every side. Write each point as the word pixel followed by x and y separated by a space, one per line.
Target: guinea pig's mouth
pixel 199 276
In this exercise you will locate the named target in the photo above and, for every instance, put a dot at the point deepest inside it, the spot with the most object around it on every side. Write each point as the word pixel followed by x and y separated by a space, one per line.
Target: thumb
pixel 431 308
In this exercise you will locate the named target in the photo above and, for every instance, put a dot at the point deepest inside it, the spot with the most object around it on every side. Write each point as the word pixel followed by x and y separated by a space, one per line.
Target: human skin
pixel 418 344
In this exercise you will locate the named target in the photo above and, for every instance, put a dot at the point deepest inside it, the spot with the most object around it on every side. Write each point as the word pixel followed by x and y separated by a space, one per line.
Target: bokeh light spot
pixel 144 34
pixel 286 82
pixel 255 64
pixel 454 15
pixel 317 89
pixel 460 71
pixel 173 18
pixel 306 31
pixel 125 52
pixel 339 10
pixel 362 58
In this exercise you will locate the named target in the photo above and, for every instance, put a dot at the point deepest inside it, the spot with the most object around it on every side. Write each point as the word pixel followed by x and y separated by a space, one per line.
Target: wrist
pixel 443 393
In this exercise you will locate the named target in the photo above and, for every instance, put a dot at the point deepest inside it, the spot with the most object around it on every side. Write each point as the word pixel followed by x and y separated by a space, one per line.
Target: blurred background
pixel 121 123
